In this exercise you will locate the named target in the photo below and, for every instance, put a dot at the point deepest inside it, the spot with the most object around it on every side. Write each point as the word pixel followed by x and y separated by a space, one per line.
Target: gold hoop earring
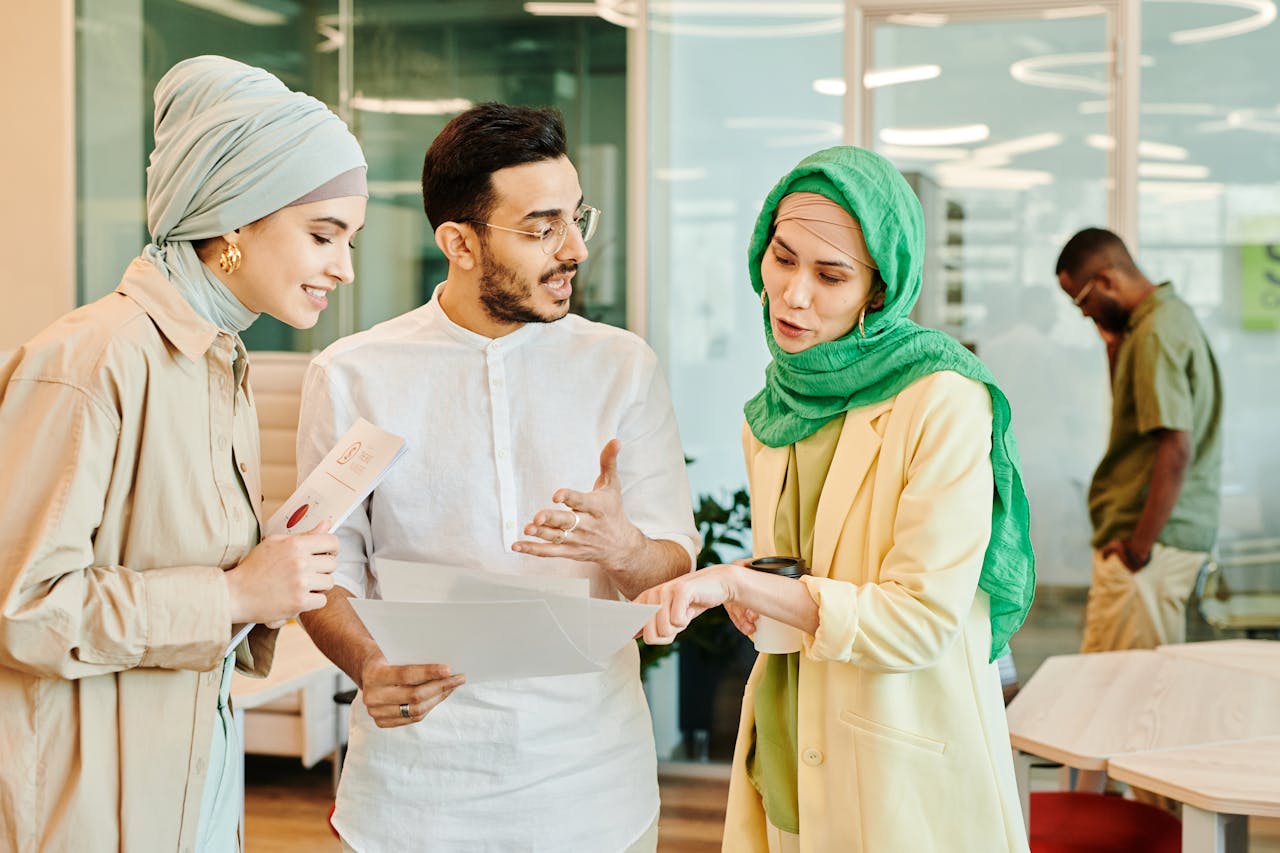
pixel 764 297
pixel 862 328
pixel 230 258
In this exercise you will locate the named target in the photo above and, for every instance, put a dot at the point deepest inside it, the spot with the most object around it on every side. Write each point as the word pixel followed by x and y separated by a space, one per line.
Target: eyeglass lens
pixel 553 238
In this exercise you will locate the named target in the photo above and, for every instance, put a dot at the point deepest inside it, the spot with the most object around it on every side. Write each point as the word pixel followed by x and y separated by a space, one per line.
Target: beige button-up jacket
pixel 129 448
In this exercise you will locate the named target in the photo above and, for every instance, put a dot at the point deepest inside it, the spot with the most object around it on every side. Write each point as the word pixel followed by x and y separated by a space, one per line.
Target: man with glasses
pixel 1154 497
pixel 539 444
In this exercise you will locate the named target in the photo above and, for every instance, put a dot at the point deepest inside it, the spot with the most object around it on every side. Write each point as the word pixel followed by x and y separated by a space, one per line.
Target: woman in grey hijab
pixel 131 496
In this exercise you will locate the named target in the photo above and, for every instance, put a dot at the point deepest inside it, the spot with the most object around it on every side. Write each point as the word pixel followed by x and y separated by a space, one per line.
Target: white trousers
pixel 1142 609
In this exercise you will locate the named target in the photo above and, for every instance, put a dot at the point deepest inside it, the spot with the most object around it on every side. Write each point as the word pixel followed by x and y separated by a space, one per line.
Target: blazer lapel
pixel 858 448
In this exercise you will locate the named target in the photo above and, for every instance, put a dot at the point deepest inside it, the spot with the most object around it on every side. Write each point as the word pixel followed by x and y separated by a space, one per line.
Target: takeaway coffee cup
pixel 774 637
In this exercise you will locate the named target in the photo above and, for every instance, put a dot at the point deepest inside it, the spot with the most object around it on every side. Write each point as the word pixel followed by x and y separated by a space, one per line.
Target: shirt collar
pixel 1163 292
pixel 173 315
pixel 474 340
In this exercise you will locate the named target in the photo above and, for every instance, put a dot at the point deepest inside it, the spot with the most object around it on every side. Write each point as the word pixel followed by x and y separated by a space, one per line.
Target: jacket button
pixel 244 469
pixel 812 757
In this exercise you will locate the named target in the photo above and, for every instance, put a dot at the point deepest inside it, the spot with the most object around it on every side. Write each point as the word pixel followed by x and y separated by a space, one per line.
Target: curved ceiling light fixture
pixel 1034 71
pixel 1067 12
pixel 1175 171
pixel 966 176
pixel 411 107
pixel 899 152
pixel 1170 108
pixel 1263 13
pixel 1248 119
pixel 935 136
pixel 879 78
pixel 822 132
pixel 1005 151
pixel 1153 150
pixel 623 14
pixel 239 10
pixel 918 19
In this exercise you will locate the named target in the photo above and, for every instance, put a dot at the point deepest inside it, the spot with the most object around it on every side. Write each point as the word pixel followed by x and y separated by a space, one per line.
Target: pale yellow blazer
pixel 901 728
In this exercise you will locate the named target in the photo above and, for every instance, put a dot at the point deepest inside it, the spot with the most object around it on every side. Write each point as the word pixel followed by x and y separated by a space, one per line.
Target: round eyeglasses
pixel 551 235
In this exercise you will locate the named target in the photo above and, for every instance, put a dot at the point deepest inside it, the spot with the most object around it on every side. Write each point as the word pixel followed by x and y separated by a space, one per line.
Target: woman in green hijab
pixel 880 454
pixel 131 494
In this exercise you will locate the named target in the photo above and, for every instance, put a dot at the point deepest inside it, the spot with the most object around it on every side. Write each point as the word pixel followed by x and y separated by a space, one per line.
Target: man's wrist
pixel 1137 553
pixel 632 555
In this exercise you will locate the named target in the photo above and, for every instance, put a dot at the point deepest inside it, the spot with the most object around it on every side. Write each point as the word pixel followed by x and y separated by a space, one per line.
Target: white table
pixel 1083 710
pixel 1219 784
pixel 1261 657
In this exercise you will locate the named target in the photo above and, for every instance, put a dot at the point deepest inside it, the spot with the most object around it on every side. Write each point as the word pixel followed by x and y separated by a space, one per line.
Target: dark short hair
pixel 457 171
pixel 1089 244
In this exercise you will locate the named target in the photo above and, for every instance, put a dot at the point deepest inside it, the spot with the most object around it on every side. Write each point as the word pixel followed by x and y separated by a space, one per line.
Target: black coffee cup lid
pixel 787 567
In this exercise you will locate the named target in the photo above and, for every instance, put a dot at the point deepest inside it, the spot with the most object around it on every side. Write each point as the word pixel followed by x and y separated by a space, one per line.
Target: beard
pixel 1111 316
pixel 507 298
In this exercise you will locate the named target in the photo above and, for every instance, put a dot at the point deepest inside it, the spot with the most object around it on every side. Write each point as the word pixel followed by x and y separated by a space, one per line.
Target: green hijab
pixel 804 390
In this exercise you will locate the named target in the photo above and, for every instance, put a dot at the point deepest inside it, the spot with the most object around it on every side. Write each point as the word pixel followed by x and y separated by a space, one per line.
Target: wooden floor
pixel 287 810
pixel 286 807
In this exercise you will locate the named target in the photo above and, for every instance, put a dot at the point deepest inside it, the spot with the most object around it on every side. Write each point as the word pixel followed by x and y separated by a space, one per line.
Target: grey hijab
pixel 233 144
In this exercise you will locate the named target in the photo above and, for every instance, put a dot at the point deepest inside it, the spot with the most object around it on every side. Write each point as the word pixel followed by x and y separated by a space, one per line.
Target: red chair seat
pixel 1071 822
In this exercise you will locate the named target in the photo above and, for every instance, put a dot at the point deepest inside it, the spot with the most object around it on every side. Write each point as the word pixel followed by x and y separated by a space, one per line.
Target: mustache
pixel 560 270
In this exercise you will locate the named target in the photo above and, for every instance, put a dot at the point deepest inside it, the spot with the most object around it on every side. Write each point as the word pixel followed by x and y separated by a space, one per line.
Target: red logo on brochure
pixel 298 514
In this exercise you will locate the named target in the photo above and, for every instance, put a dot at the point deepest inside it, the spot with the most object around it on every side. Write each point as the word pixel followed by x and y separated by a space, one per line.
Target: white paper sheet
pixel 344 478
pixel 489 626
pixel 401 580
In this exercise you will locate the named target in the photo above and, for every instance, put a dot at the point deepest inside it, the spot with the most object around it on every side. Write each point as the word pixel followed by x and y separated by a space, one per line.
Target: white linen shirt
pixel 494 427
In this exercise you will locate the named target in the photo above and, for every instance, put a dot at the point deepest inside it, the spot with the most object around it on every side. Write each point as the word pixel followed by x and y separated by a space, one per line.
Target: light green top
pixel 772 760
pixel 218 829
pixel 1165 378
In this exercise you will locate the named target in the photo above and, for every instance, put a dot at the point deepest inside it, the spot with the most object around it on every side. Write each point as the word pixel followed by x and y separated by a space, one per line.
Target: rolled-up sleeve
pixel 325 415
pixel 929 576
pixel 655 484
pixel 63 616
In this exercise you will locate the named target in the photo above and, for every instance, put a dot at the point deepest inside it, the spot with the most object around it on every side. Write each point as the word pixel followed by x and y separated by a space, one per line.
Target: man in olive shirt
pixel 1154 497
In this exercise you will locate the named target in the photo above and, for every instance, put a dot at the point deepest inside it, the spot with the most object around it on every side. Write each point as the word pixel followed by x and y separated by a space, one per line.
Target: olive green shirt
pixel 773 762
pixel 1165 378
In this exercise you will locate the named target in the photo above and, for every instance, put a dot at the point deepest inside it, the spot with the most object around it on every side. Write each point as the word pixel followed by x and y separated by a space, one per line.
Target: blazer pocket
pixel 871 727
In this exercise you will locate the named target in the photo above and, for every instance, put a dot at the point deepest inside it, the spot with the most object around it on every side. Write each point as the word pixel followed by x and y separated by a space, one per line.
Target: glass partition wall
pixel 1007 169
pixel 397 71
pixel 1018 123
pixel 1209 219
